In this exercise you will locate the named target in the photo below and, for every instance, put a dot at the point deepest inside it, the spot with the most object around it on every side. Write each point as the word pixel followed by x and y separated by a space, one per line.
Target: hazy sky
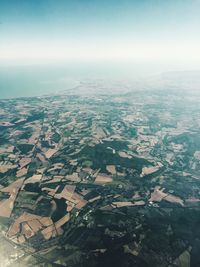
pixel 99 30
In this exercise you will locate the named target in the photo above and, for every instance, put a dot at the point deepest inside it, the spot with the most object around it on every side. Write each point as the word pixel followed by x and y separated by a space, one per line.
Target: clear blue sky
pixel 96 30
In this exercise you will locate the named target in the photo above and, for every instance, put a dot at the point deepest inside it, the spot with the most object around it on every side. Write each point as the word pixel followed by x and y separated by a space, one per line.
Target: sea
pixel 46 79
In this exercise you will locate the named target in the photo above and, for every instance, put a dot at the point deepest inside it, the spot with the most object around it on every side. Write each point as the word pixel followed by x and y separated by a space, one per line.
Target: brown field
pixel 103 179
pixel 159 195
pixel 21 172
pixel 50 153
pixel 6 206
pixel 27 225
pixel 123 204
pixel 24 162
pixel 149 170
pixel 111 169
pixel 33 179
pixel 6 167
pixel 73 177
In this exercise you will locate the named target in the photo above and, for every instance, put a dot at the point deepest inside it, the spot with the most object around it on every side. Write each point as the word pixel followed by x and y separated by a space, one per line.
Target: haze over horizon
pixel 48 45
pixel 128 32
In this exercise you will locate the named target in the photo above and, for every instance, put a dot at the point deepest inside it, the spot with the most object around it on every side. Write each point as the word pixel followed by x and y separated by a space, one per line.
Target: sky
pixel 48 31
